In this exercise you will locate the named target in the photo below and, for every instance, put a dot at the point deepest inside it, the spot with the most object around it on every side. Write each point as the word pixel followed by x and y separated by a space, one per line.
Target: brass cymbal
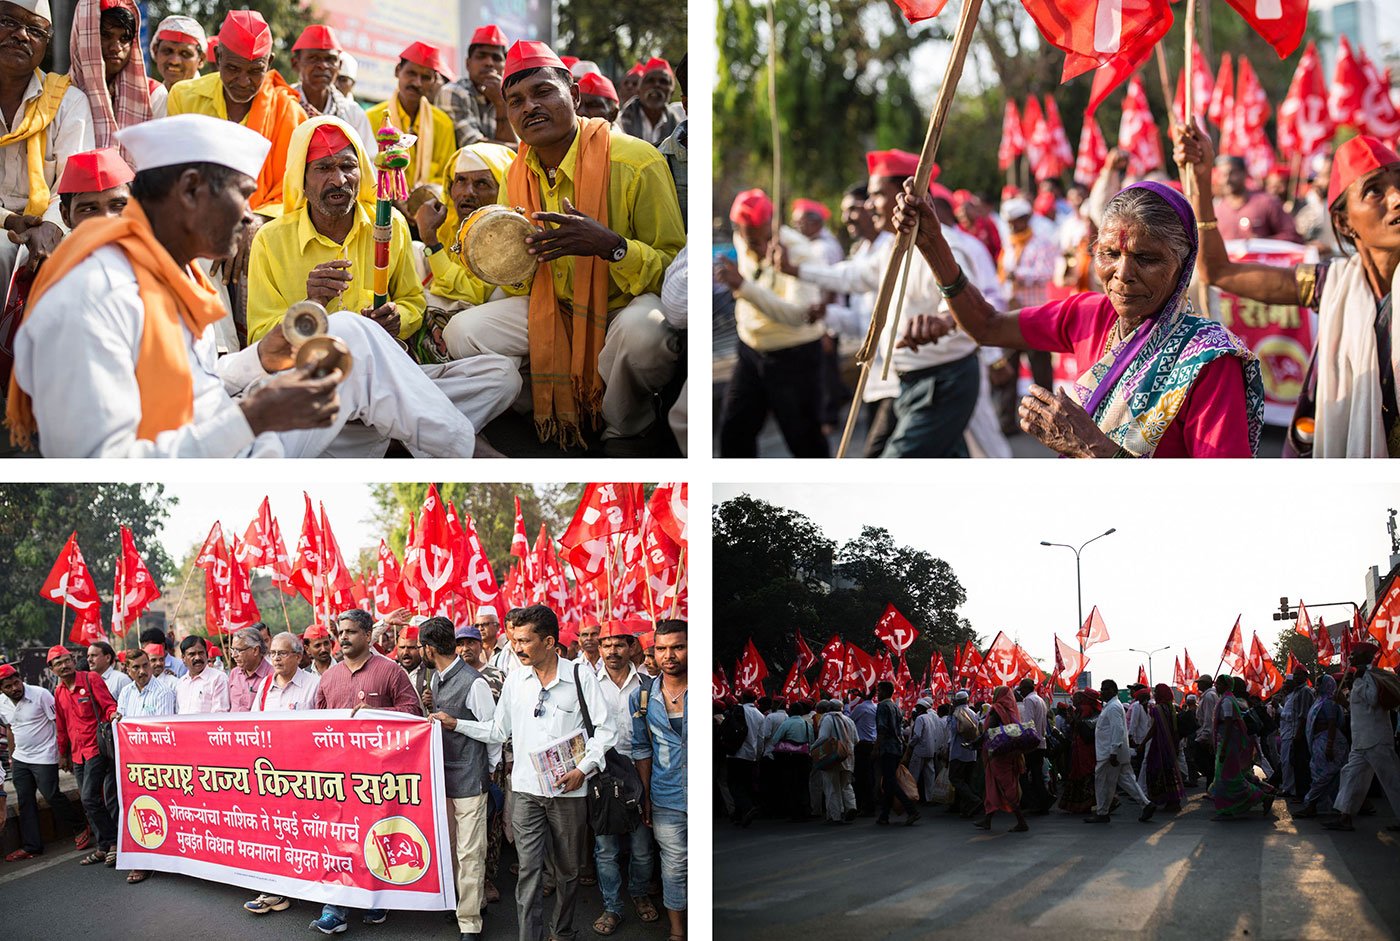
pixel 304 320
pixel 328 353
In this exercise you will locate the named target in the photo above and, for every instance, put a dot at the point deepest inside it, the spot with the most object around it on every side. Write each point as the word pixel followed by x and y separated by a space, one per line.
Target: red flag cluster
pixel 1039 135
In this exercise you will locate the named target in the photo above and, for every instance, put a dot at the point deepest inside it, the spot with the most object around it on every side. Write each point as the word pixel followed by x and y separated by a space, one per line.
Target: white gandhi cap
pixel 194 138
pixel 37 7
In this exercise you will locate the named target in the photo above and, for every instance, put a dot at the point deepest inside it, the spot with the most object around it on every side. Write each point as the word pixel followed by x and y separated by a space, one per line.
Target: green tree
pixel 287 19
pixel 590 29
pixel 36 520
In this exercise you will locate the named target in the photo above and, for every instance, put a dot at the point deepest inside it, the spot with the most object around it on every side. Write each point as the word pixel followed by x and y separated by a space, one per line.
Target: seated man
pixel 474 179
pixel 602 263
pixel 650 115
pixel 115 358
pixel 316 57
pixel 118 92
pixel 474 101
pixel 34 104
pixel 177 51
pixel 322 248
pixel 597 98
pixel 248 91
pixel 411 111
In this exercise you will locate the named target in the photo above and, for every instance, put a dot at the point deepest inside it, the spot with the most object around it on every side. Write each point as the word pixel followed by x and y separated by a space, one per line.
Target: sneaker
pixel 376 916
pixel 267 903
pixel 330 924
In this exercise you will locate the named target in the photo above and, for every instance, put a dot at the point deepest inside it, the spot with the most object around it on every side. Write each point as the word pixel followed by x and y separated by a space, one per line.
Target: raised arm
pixel 1268 284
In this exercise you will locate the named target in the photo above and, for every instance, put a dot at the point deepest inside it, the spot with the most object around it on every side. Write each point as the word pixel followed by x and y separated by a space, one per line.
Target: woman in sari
pixel 1003 772
pixel 1235 789
pixel 792 744
pixel 1077 791
pixel 1328 745
pixel 1347 406
pixel 1160 381
pixel 1161 777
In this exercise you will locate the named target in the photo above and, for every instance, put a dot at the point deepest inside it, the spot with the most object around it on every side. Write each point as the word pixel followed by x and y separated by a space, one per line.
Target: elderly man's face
pixel 469 191
pixel 138 667
pixel 24 37
pixel 1137 268
pixel 242 78
pixel 196 658
pixel 177 61
pixel 317 68
pixel 469 649
pixel 333 182
pixel 246 655
pixel 808 223
pixel 655 89
pixel 597 106
pixel 489 626
pixel 286 660
pixel 588 637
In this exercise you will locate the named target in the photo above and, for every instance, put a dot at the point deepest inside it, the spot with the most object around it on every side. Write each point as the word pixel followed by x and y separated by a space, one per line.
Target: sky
pixel 1186 560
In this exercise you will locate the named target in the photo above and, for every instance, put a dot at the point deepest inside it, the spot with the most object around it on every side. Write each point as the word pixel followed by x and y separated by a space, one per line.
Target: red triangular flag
pixel 1142 676
pixel 133 589
pixel 1280 22
pixel 70 583
pixel 1233 654
pixel 1093 630
pixel 751 671
pixel 1093 152
pixel 805 658
pixel 1013 141
pixel 895 630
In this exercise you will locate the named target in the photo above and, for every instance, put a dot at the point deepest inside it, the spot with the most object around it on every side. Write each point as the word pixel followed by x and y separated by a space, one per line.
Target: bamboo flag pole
pixel 181 601
pixel 1167 91
pixel 680 572
pixel 773 114
pixel 904 241
pixel 1188 181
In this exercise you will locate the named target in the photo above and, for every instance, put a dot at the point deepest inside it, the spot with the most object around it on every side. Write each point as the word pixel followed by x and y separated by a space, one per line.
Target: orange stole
pixel 275 114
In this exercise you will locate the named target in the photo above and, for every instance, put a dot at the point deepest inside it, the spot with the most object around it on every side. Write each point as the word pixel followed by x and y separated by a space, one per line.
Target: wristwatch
pixel 432 249
pixel 620 252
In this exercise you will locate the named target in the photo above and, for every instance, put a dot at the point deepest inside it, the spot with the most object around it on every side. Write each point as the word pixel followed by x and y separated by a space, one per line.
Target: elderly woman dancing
pixel 1159 380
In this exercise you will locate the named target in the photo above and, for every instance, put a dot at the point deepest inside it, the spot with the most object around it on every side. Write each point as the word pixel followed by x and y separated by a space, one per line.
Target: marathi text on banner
pixel 316 806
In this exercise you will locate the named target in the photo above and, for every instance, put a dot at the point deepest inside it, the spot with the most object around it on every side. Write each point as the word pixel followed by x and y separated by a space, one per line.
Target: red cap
pixel 804 206
pixel 654 63
pixel 530 54
pixel 615 629
pixel 174 35
pixel 1044 205
pixel 960 198
pixel 326 140
pixel 411 632
pixel 1010 192
pixel 94 171
pixel 894 163
pixel 56 651
pixel 595 84
pixel 245 33
pixel 1280 169
pixel 1353 160
pixel 751 207
pixel 213 47
pixel 121 656
pixel 7 671
pixel 939 191
pixel 429 57
pixel 110 4
pixel 569 62
pixel 489 35
pixel 317 37
pixel 637 69
pixel 315 632
pixel 215 650
pixel 155 651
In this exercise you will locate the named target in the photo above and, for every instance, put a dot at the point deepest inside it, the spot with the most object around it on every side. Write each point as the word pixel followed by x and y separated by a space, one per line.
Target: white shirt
pixel 771 723
pixel 930 736
pixel 482 702
pixel 1111 732
pixel 298 694
pixel 505 660
pixel 116 681
pixel 754 741
pixel 1205 716
pixel 207 692
pixel 157 699
pixel 34 725
pixel 1370 724
pixel 560 715
pixel 70 133
pixel 1032 709
pixel 1139 723
pixel 619 704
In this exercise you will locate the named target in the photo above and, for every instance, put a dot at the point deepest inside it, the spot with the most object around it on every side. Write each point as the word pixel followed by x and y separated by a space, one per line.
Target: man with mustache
pixel 316 56
pixel 474 101
pixel 474 178
pixel 649 115
pixel 412 111
pixel 603 254
pixel 323 249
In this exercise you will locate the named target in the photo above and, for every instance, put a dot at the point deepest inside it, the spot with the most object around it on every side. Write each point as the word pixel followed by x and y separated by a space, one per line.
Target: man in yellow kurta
pixel 591 328
pixel 475 177
pixel 322 248
pixel 411 112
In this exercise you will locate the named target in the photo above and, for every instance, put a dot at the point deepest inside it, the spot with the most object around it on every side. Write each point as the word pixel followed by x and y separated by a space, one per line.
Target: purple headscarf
pixel 1182 208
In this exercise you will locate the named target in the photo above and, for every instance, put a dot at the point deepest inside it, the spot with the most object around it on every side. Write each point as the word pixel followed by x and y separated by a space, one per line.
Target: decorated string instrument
pixel 390 184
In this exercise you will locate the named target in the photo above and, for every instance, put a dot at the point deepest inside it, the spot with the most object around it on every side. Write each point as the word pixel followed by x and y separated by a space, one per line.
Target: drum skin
pixel 491 243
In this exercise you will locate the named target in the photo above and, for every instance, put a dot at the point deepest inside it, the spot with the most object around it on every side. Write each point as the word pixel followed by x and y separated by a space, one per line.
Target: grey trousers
pixel 557 827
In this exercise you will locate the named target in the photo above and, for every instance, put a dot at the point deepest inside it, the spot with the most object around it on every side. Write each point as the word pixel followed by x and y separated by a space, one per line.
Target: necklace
pixel 672 699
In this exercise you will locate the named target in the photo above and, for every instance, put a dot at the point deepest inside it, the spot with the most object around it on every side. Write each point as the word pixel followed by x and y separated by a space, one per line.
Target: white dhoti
pixel 1363 764
pixel 638 357
pixel 1108 778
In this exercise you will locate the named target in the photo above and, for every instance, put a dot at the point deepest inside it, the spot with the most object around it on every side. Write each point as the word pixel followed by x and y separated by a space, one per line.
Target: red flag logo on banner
pixel 1093 630
pixel 399 849
pixel 895 630
pixel 152 824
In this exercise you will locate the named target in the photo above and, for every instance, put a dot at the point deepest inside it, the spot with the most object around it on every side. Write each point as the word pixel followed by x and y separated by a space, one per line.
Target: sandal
pixel 112 858
pixel 93 858
pixel 607 923
pixel 19 854
pixel 137 875
pixel 646 910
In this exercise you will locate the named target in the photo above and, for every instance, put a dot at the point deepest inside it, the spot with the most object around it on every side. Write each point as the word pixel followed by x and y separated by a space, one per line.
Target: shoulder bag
pixel 614 794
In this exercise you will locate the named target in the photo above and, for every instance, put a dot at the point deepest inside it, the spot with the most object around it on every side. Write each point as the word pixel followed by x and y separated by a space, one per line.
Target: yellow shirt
pixel 286 249
pixel 444 140
pixel 642 208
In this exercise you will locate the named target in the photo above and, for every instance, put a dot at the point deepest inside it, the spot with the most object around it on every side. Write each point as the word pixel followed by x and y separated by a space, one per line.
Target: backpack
pixel 734 730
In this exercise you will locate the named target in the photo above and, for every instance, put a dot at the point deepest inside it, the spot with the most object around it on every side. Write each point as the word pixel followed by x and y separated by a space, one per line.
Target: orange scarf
pixel 170 295
pixel 566 338
pixel 275 114
pixel 1018 241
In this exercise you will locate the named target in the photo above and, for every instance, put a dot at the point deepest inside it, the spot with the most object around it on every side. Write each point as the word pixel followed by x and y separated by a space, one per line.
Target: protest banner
pixel 320 806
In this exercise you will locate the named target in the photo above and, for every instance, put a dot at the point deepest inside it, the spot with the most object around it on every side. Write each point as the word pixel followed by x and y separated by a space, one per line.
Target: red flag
pixel 1178 677
pixel 884 669
pixel 205 557
pixel 1069 663
pixel 1384 627
pixel 1233 654
pixel 670 505
pixel 1059 140
pixel 1261 675
pixel 606 509
pixel 1188 666
pixel 916 10
pixel 430 567
pixel 1094 35
pixel 1347 98
pixel 750 671
pixel 133 589
pixel 1040 145
pixel 1093 152
pixel 903 680
pixel 719 686
pixel 967 661
pixel 1222 98
pixel 1292 666
pixel 1032 124
pixel 228 598
pixel 1013 141
pixel 1305 122
pixel 1303 624
pixel 1093 630
pixel 1322 637
pixel 795 687
pixel 306 569
pixel 805 658
pixel 71 583
pixel 940 683
pixel 1280 22
pixel 519 543
pixel 1381 116
pixel 384 583
pixel 1251 112
pixel 1142 676
pixel 833 664
pixel 1201 91
pixel 242 609
pixel 399 849
pixel 1003 662
pixel 337 576
pixel 860 669
pixel 895 630
pixel 1137 132
pixel 478 578
pixel 1109 77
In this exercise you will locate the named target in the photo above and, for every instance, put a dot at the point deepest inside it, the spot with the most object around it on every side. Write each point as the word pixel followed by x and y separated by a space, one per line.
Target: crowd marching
pixel 1074 308
pixel 159 232
pixel 1005 738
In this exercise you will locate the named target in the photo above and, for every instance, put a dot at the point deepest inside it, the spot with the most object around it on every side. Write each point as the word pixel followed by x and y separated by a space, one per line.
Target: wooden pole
pixel 181 601
pixel 1188 180
pixel 777 142
pixel 1167 91
pixel 281 598
pixel 680 570
pixel 904 241
pixel 63 622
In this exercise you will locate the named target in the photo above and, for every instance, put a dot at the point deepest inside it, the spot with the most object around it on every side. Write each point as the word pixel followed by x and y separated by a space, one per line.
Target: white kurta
pixel 76 357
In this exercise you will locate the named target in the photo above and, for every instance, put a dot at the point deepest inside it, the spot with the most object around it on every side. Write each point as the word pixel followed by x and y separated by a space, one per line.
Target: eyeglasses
pixel 279 654
pixel 242 649
pixel 9 24
pixel 539 706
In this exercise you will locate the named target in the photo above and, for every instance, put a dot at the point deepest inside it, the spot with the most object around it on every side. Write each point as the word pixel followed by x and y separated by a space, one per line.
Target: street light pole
pixel 1078 578
pixel 1149 654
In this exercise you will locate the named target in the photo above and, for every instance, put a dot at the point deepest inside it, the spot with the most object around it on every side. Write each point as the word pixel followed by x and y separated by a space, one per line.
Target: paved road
pixel 1177 877
pixel 52 897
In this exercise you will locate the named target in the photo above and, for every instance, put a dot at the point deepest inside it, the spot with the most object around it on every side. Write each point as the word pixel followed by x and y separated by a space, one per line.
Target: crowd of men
pixel 497 694
pixel 160 229
pixel 797 298
pixel 1319 742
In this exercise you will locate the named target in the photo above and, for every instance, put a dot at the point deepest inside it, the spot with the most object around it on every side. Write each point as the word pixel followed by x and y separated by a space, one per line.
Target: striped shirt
pixel 157 699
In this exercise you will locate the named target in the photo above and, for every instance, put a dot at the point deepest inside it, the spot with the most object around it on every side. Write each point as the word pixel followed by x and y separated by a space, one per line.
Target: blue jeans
pixel 606 850
pixel 343 913
pixel 670 829
pixel 933 409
